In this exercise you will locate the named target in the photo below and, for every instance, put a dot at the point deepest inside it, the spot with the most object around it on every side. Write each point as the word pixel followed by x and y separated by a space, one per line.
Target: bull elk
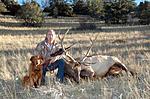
pixel 92 65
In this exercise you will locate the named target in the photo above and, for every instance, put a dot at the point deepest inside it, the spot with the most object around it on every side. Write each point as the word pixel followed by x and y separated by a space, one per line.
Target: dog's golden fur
pixel 35 72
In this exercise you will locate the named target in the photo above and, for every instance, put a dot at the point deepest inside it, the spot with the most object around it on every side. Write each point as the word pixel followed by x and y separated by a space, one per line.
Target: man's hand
pixel 52 60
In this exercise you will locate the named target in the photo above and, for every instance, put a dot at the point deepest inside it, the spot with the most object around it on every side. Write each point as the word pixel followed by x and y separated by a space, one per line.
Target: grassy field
pixel 131 47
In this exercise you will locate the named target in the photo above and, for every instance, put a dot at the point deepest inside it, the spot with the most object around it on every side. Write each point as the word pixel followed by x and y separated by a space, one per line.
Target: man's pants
pixel 57 64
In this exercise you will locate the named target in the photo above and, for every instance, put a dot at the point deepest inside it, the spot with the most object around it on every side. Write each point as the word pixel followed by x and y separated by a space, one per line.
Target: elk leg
pixel 126 69
pixel 113 71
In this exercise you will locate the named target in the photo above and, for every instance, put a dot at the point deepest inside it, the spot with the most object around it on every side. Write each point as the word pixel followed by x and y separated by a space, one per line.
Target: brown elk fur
pixel 105 66
pixel 72 70
pixel 114 70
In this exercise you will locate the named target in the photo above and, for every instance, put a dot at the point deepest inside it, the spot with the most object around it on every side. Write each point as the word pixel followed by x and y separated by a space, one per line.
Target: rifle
pixel 59 52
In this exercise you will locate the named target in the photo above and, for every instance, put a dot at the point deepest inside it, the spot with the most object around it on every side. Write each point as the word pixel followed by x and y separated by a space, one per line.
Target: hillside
pixel 79 23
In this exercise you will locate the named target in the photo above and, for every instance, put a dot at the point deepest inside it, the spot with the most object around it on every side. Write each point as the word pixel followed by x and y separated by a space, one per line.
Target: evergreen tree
pixel 81 7
pixel 11 6
pixel 95 7
pixel 144 12
pixel 31 13
pixel 117 11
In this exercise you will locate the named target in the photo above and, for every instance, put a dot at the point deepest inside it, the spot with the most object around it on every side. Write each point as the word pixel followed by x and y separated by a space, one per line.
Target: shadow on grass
pixel 78 30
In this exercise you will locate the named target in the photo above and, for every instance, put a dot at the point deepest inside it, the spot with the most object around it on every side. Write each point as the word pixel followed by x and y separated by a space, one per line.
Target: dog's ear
pixel 32 58
pixel 42 59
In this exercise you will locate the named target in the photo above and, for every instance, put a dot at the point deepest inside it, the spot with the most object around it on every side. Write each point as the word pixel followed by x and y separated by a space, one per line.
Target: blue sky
pixel 138 1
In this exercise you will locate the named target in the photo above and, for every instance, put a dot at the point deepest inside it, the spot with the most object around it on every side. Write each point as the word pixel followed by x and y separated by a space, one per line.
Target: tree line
pixel 110 11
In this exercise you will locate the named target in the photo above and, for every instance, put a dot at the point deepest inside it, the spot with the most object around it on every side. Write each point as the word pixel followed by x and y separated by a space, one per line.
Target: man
pixel 47 49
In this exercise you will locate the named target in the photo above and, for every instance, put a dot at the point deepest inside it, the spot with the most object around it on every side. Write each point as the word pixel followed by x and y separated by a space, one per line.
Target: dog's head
pixel 37 60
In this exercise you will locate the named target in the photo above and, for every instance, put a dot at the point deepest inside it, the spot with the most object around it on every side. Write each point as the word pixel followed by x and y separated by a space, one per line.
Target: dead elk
pixel 90 66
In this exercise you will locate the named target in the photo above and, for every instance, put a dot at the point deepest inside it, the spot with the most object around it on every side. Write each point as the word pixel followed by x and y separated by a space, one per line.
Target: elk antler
pixel 65 49
pixel 71 58
pixel 62 40
pixel 92 42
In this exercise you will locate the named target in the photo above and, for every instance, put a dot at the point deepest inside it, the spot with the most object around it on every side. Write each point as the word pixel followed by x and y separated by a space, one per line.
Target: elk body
pixel 103 66
pixel 94 66
pixel 90 66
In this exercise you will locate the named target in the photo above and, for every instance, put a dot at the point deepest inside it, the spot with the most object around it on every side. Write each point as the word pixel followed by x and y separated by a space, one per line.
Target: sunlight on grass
pixel 130 47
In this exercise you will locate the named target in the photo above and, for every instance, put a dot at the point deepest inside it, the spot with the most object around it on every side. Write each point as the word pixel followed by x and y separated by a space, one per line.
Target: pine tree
pixel 11 6
pixel 31 13
pixel 95 7
pixel 144 12
pixel 117 11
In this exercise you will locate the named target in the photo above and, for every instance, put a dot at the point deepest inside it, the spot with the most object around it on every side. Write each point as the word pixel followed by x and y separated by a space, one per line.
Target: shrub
pixel 64 9
pixel 95 8
pixel 32 14
pixel 2 8
pixel 81 7
pixel 144 12
pixel 60 9
pixel 145 17
pixel 11 5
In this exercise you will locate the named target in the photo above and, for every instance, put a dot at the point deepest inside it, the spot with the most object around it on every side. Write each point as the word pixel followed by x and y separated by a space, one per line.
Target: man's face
pixel 50 36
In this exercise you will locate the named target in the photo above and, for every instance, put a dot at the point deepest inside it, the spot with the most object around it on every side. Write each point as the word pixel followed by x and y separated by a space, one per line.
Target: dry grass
pixel 9 20
pixel 133 48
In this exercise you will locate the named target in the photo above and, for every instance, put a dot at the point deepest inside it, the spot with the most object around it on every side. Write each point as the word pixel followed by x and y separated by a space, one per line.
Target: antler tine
pixel 92 42
pixel 71 58
pixel 65 34
pixel 94 54
pixel 87 53
pixel 62 40
pixel 70 46
pixel 68 55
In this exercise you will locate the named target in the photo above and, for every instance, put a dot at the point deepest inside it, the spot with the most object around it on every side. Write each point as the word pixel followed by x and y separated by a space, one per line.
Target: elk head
pixel 72 67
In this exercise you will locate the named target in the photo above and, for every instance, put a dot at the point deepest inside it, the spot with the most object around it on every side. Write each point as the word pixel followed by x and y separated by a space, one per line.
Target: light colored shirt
pixel 45 49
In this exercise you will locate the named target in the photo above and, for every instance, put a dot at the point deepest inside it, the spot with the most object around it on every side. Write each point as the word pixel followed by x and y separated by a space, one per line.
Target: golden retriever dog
pixel 35 72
